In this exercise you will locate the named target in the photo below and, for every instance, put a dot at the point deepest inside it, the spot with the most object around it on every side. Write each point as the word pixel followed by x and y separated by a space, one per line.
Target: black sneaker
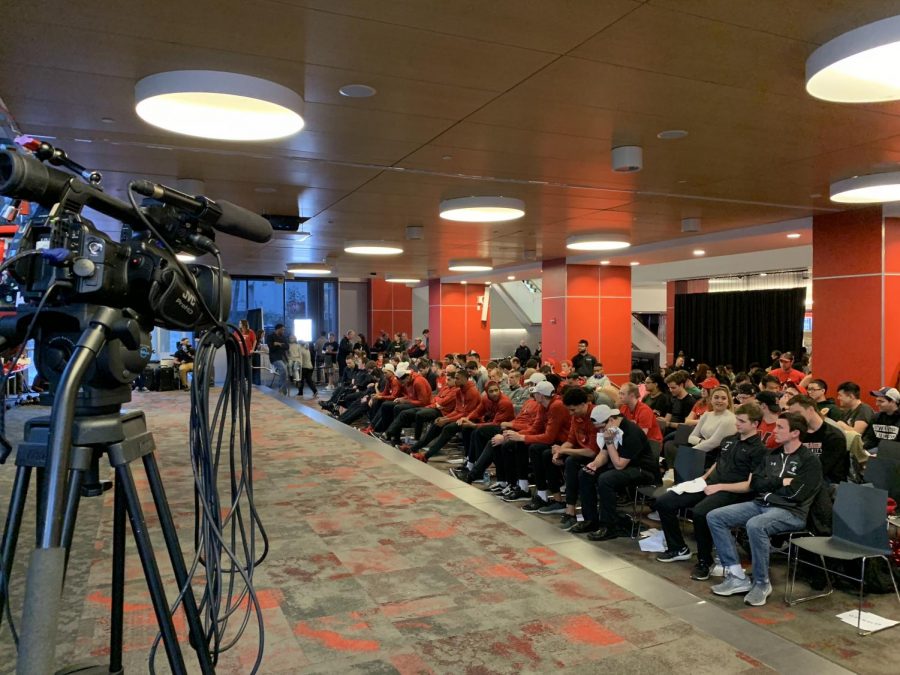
pixel 674 556
pixel 606 533
pixel 567 522
pixel 497 488
pixel 517 494
pixel 700 572
pixel 461 474
pixel 535 504
pixel 553 506
pixel 585 526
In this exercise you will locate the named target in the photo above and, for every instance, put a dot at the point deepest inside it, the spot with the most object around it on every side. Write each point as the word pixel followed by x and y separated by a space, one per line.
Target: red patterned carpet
pixel 375 570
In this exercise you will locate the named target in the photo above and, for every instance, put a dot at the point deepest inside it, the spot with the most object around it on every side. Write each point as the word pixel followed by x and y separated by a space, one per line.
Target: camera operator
pixel 184 360
pixel 278 348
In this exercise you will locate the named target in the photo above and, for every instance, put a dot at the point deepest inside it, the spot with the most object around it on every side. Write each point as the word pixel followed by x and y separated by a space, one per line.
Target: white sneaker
pixel 654 516
pixel 669 477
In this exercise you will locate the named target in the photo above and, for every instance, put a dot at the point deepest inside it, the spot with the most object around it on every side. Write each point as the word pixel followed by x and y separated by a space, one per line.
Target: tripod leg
pixel 168 528
pixel 151 570
pixel 73 498
pixel 116 615
pixel 11 530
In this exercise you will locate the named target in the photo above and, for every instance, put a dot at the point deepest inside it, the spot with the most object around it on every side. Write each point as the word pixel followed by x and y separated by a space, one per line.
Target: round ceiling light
pixel 390 278
pixel 366 247
pixel 793 235
pixel 471 265
pixel 699 251
pixel 600 241
pixel 873 188
pixel 634 263
pixel 672 134
pixel 482 209
pixel 859 66
pixel 357 91
pixel 219 105
pixel 304 268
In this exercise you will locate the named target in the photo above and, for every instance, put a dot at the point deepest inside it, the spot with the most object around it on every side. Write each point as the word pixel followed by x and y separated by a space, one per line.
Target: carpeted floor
pixel 373 569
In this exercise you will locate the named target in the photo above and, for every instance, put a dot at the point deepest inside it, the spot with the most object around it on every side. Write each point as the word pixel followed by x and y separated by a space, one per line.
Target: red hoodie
pixel 527 416
pixel 392 388
pixel 582 433
pixel 554 427
pixel 467 400
pixel 417 391
pixel 444 400
pixel 493 412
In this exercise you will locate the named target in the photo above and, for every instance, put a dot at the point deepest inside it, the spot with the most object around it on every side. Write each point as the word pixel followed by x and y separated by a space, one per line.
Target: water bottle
pixel 487 478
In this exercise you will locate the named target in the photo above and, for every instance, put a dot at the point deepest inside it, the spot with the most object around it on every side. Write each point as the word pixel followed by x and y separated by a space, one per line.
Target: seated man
pixel 522 395
pixel 785 484
pixel 441 404
pixel 494 409
pixel 416 394
pixel 886 425
pixel 817 390
pixel 184 360
pixel 551 429
pixel 634 410
pixel 564 460
pixel 857 416
pixel 389 389
pixel 446 427
pixel 727 482
pixel 624 460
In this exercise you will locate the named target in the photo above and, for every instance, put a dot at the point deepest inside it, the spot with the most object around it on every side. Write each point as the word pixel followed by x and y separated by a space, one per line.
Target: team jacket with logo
pixel 805 470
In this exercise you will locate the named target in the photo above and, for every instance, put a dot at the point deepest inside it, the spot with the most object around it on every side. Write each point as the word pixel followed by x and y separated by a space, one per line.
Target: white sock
pixel 737 571
pixel 502 483
pixel 523 485
pixel 470 465
pixel 542 494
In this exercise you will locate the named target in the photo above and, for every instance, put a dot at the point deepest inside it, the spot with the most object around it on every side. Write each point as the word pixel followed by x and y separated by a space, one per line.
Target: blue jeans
pixel 761 521
pixel 281 376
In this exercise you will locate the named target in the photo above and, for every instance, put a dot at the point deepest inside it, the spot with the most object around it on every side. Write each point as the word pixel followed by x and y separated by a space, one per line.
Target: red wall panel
pixel 847 243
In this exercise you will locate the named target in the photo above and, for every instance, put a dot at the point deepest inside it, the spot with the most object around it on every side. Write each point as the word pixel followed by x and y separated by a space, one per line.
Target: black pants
pixel 602 487
pixel 437 437
pixel 402 419
pixel 478 438
pixel 573 466
pixel 423 417
pixel 671 503
pixel 354 412
pixel 388 412
pixel 547 475
pixel 306 378
pixel 514 463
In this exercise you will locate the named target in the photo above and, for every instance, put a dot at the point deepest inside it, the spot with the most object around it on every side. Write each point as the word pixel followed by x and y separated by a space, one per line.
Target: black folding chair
pixel 860 533
pixel 689 464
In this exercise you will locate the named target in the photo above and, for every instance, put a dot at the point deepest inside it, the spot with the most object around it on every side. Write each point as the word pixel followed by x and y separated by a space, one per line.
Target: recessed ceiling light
pixel 306 268
pixel 511 278
pixel 672 134
pixel 763 274
pixel 185 257
pixel 464 282
pixel 470 265
pixel 870 189
pixel 446 157
pixel 214 104
pixel 699 251
pixel 604 262
pixel 598 241
pixel 360 247
pixel 793 235
pixel 482 209
pixel 357 91
pixel 107 120
pixel 634 263
pixel 401 279
pixel 859 66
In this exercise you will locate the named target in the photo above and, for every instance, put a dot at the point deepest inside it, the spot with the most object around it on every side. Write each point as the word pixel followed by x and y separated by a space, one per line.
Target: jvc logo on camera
pixel 187 302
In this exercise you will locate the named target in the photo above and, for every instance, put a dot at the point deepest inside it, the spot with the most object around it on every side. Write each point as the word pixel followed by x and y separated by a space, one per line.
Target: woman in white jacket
pixel 305 369
pixel 716 423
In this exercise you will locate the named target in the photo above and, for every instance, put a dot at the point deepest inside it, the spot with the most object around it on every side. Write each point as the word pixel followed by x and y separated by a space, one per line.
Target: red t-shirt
pixel 789 375
pixel 767 434
pixel 645 419
pixel 249 343
pixel 582 433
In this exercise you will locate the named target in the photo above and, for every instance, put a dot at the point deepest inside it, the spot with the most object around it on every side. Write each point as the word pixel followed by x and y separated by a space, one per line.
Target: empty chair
pixel 860 533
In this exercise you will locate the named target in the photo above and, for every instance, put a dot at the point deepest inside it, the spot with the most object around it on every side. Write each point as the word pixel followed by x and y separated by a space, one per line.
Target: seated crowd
pixel 773 445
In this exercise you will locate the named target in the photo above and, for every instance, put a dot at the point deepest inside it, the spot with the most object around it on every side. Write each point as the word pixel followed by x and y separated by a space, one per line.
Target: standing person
pixel 345 348
pixel 523 351
pixel 785 483
pixel 306 371
pixel 426 341
pixel 278 349
pixel 319 357
pixel 538 354
pixel 184 359
pixel 293 361
pixel 246 337
pixel 583 362
pixel 330 351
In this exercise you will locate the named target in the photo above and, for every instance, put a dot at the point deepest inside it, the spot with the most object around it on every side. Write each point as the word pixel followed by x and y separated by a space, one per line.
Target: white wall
pixel 420 309
pixel 649 298
pixel 507 330
pixel 353 306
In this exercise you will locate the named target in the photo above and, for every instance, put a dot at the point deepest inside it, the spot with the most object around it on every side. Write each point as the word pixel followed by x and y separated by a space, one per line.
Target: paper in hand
pixel 690 487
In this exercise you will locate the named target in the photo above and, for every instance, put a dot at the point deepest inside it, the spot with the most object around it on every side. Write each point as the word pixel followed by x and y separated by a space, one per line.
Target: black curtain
pixel 739 328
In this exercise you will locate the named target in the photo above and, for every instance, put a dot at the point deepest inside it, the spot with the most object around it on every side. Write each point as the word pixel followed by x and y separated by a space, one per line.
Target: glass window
pixel 238 300
pixel 330 307
pixel 268 295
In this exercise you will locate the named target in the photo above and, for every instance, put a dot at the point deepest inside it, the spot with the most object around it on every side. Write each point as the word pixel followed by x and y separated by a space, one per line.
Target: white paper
pixel 691 486
pixel 655 543
pixel 870 622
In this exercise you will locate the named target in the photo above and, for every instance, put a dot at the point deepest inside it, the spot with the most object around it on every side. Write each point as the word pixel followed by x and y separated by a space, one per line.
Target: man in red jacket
pixel 495 409
pixel 442 403
pixel 446 427
pixel 552 427
pixel 565 459
pixel 634 410
pixel 416 394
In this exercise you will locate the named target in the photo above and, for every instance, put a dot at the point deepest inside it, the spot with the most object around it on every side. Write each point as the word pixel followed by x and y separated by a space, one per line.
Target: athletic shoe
pixel 535 505
pixel 405 447
pixel 606 533
pixel 458 460
pixel 552 506
pixel 497 488
pixel 654 516
pixel 732 585
pixel 758 594
pixel 517 494
pixel 462 474
pixel 718 571
pixel 567 522
pixel 674 556
pixel 366 430
pixel 585 526
pixel 700 572
pixel 505 492
pixel 420 456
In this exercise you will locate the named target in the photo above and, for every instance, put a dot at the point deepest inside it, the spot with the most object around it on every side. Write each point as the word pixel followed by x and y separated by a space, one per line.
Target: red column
pixel 454 318
pixel 590 302
pixel 670 322
pixel 856 298
pixel 390 309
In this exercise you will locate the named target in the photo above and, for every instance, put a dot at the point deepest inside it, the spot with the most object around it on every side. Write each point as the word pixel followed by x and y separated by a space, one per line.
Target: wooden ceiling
pixel 522 98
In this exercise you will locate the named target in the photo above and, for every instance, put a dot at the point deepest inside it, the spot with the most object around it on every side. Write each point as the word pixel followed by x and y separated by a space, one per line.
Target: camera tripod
pixel 66 449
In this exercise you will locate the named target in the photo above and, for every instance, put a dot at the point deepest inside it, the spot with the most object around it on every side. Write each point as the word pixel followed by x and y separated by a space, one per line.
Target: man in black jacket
pixel 345 349
pixel 523 352
pixel 583 362
pixel 278 347
pixel 886 425
pixel 785 483
pixel 727 482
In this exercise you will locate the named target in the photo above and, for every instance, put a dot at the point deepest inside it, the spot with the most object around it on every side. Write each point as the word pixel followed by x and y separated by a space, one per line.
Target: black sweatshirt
pixel 885 427
pixel 737 459
pixel 802 466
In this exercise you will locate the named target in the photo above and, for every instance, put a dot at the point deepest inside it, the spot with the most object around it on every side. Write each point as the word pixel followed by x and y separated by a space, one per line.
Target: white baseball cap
pixel 543 388
pixel 402 369
pixel 389 367
pixel 602 413
pixel 535 378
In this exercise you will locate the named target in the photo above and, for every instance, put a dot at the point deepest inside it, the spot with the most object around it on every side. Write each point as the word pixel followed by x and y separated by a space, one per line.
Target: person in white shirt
pixel 715 424
pixel 598 380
